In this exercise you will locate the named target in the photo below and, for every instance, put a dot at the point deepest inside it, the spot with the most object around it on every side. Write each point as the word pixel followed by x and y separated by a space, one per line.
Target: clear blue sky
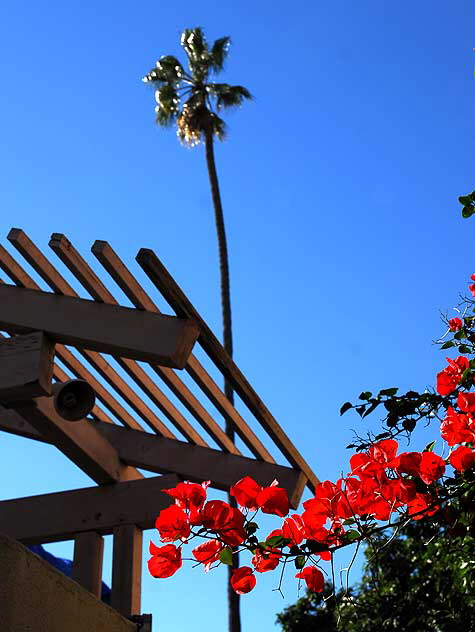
pixel 339 183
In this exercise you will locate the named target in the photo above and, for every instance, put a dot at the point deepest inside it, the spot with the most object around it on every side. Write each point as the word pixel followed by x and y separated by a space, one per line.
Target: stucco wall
pixel 35 597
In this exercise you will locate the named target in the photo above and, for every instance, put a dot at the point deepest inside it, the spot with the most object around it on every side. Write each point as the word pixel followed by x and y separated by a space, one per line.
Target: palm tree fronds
pixel 168 70
pixel 196 48
pixel 219 52
pixel 167 106
pixel 219 126
pixel 228 96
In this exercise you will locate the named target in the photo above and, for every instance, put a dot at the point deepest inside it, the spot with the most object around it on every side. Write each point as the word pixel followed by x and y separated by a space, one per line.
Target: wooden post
pixel 127 570
pixel 87 562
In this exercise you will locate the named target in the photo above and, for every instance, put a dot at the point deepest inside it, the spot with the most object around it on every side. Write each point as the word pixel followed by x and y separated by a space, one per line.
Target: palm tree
pixel 192 100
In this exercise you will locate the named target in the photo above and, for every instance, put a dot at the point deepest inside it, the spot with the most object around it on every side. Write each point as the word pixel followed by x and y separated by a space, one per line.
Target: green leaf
pixel 226 556
pixel 448 344
pixel 373 406
pixel 409 424
pixel 465 200
pixel 346 406
pixel 468 211
pixel 390 392
pixel 251 528
pixel 349 521
pixel 430 447
pixel 459 335
pixel 352 534
pixel 300 562
pixel 464 349
pixel 365 395
pixel 360 410
pixel 277 541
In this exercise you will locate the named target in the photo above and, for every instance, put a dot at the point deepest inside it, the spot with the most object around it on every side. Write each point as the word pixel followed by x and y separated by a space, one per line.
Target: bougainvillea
pixel 384 487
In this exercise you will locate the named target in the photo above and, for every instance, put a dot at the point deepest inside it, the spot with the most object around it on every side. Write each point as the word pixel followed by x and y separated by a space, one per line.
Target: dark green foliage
pixel 421 581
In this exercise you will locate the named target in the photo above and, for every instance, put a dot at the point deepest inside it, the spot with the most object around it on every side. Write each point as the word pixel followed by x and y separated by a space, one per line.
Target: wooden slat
pixel 94 286
pixel 175 297
pixel 78 440
pixel 52 277
pixel 60 516
pixel 138 297
pixel 127 570
pixel 156 454
pixel 120 331
pixel 87 561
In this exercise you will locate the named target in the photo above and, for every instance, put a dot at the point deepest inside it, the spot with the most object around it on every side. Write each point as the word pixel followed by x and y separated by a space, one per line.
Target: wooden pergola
pixel 52 335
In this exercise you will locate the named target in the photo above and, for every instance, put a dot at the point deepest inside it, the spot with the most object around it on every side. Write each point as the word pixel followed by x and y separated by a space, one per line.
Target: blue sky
pixel 339 183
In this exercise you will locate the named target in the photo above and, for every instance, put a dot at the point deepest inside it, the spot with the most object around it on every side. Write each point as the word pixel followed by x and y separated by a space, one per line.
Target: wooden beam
pixel 26 367
pixel 127 570
pixel 121 331
pixel 60 516
pixel 157 454
pixel 176 298
pixel 13 423
pixel 87 561
pixel 138 297
pixel 78 440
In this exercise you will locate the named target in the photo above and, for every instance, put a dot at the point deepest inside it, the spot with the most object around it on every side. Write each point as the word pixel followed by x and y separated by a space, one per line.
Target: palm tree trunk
pixel 234 615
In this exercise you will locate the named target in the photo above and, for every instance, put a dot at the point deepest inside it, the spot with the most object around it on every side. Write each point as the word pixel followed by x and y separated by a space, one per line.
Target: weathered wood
pixel 13 423
pixel 26 366
pixel 121 331
pixel 176 298
pixel 60 516
pixel 127 570
pixel 157 454
pixel 68 254
pixel 138 297
pixel 79 441
pixel 87 561
pixel 52 277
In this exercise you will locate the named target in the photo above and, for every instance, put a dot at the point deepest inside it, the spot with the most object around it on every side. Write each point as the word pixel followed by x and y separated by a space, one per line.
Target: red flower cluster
pixel 449 378
pixel 455 324
pixel 380 482
pixel 270 500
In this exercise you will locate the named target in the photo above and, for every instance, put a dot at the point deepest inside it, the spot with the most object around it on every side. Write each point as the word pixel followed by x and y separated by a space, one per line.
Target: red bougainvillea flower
pixel 455 324
pixel 449 378
pixel 226 521
pixel 457 427
pixel 189 497
pixel 208 552
pixel 472 287
pixel 408 463
pixel 173 524
pixel 466 402
pixel 264 561
pixel 294 529
pixel 165 560
pixel 418 508
pixel 313 578
pixel 273 500
pixel 432 467
pixel 380 456
pixel 245 492
pixel 462 458
pixel 243 580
